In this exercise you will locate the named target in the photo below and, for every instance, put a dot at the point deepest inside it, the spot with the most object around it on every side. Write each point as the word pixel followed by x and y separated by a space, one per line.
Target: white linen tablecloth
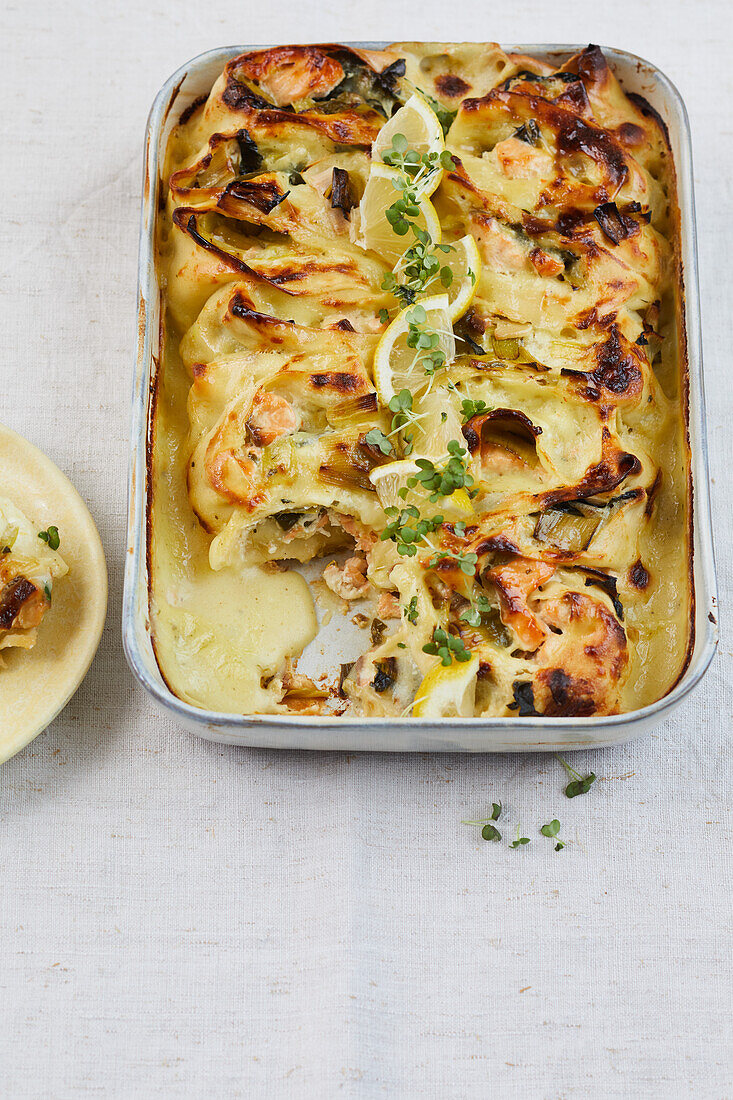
pixel 180 919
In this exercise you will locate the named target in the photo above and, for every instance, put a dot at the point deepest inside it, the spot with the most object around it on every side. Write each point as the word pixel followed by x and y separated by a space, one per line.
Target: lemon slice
pixel 448 692
pixel 396 365
pixel 419 125
pixel 374 231
pixel 437 420
pixel 459 501
pixel 465 263
pixel 389 479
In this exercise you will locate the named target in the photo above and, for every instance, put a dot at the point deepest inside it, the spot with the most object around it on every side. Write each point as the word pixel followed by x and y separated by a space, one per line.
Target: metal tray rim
pixel 223 726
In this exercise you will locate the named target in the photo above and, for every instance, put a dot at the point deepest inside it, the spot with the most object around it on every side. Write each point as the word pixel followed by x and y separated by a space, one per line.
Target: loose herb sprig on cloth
pixel 520 840
pixel 579 784
pixel 489 830
pixel 551 829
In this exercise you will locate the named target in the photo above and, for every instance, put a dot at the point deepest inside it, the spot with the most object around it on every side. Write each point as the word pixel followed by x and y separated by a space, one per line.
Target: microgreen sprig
pixel 471 408
pixel 579 784
pixel 424 339
pixel 411 610
pixel 407 529
pixel 472 615
pixel 442 481
pixel 551 829
pixel 447 647
pixel 445 116
pixel 401 406
pixel 465 562
pixel 419 266
pixel 520 840
pixel 417 167
pixel 377 438
pixel 489 831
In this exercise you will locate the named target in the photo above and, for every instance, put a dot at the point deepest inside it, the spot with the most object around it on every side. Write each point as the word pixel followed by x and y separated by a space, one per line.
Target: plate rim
pixel 59 484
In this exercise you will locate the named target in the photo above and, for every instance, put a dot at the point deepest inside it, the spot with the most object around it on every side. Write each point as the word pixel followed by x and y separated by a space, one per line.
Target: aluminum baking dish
pixel 194 79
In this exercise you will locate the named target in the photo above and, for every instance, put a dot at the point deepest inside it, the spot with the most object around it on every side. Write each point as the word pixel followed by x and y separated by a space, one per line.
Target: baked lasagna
pixel 422 363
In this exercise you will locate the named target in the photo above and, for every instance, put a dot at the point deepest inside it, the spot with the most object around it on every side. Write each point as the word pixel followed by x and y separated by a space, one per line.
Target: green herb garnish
pixel 520 839
pixel 579 784
pixel 424 339
pixel 489 830
pixel 471 408
pixel 441 481
pixel 401 406
pixel 445 116
pixel 419 266
pixel 377 438
pixel 472 615
pixel 465 562
pixel 551 829
pixel 418 168
pixel 411 611
pixel 447 646
pixel 51 536
pixel 407 529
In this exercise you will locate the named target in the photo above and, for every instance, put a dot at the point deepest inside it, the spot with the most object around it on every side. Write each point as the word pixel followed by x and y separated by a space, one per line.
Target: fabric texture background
pixel 181 919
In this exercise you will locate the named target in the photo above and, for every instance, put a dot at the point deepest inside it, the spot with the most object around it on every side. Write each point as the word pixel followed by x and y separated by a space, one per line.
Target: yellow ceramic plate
pixel 37 683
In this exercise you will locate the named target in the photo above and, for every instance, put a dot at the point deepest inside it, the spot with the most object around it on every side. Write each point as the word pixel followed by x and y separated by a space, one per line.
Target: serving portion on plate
pixel 422 363
pixel 29 566
pixel 53 591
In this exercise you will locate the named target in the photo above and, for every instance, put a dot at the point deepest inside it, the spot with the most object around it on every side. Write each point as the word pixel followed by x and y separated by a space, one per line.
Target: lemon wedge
pixel 448 692
pixel 398 366
pixel 374 231
pixel 419 125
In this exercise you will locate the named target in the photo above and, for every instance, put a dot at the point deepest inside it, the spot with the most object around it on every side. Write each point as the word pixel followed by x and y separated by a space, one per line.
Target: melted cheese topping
pixel 580 517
